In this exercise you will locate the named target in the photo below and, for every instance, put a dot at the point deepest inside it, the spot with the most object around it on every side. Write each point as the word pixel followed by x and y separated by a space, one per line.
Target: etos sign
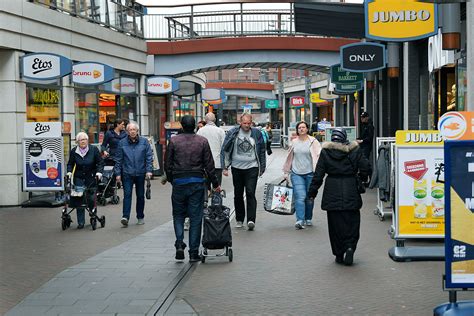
pixel 363 57
pixel 297 101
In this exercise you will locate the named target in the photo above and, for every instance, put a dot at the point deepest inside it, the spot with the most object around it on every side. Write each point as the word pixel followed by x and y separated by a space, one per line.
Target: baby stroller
pixel 75 197
pixel 217 233
pixel 107 187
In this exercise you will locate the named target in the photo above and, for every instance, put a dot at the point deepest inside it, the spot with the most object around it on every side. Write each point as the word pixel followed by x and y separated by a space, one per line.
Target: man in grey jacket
pixel 134 163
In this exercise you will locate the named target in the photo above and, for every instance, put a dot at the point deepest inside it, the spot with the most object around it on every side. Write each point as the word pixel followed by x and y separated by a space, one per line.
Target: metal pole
pixel 241 19
pixel 191 22
pixel 291 18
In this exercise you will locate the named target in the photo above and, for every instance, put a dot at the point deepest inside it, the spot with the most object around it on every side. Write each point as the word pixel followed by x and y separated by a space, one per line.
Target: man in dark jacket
pixel 188 162
pixel 134 162
pixel 244 149
pixel 367 134
pixel 343 162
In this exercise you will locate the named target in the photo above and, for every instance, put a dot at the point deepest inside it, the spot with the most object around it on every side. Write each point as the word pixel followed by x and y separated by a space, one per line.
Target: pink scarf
pixel 83 151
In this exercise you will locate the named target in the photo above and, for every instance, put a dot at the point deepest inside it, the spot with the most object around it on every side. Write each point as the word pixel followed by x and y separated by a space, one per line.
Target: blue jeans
pixel 128 182
pixel 303 205
pixel 188 201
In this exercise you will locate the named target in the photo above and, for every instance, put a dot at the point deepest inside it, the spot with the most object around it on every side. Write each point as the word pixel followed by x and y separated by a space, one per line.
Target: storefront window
pixel 184 107
pixel 128 108
pixel 43 105
pixel 85 104
pixel 461 84
pixel 107 113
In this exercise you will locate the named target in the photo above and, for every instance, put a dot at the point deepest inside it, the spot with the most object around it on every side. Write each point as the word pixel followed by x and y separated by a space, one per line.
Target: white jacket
pixel 215 137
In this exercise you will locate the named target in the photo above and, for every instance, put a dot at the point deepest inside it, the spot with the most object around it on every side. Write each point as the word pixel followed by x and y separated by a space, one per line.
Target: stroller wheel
pixel 94 223
pixel 203 259
pixel 68 221
pixel 231 255
pixel 103 201
pixel 115 199
pixel 63 223
pixel 102 221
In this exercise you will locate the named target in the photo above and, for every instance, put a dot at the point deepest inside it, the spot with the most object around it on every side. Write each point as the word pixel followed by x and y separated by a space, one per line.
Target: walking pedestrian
pixel 215 137
pixel 188 162
pixel 84 165
pixel 244 150
pixel 111 140
pixel 300 163
pixel 134 163
pixel 367 135
pixel 342 162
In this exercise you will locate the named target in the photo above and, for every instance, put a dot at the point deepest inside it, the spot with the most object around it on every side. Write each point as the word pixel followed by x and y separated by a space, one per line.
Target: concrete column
pixel 470 54
pixel 143 119
pixel 12 119
pixel 69 114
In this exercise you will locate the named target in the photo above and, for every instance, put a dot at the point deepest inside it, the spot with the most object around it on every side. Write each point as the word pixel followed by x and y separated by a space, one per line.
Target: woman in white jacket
pixel 300 164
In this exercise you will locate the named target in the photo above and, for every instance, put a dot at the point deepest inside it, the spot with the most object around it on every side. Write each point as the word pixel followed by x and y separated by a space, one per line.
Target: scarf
pixel 82 152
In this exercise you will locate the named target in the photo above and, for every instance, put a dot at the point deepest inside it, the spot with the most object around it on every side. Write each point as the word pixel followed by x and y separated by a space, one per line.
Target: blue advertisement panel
pixel 43 164
pixel 459 203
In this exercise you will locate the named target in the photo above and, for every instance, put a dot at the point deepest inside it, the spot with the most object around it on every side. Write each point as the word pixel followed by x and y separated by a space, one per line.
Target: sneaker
pixel 80 226
pixel 349 257
pixel 124 221
pixel 309 222
pixel 180 250
pixel 194 257
pixel 186 223
pixel 140 221
pixel 339 259
pixel 299 225
pixel 239 225
pixel 251 225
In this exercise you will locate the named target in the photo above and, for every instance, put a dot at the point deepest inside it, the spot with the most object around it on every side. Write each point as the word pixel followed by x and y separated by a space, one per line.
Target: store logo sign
pixel 452 125
pixel 400 21
pixel 297 101
pixel 161 85
pixel 363 57
pixel 90 73
pixel 44 66
pixel 42 130
pixel 437 56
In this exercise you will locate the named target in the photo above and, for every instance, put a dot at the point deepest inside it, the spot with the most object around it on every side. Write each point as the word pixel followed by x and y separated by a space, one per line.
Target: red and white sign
pixel 124 85
pixel 91 73
pixel 161 85
pixel 297 101
pixel 415 169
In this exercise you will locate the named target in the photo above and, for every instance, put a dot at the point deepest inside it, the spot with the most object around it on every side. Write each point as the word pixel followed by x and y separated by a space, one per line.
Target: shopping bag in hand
pixel 278 198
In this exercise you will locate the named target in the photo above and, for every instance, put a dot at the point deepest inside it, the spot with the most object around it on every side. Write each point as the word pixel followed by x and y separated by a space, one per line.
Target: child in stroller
pixel 80 197
pixel 107 187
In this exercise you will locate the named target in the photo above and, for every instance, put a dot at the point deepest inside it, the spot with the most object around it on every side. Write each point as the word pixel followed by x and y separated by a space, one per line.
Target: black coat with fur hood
pixel 341 163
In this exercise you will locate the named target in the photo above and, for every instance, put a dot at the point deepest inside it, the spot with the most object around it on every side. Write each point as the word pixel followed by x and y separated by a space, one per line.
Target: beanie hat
pixel 339 135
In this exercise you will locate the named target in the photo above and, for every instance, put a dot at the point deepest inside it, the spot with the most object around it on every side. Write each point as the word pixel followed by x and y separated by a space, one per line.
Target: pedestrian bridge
pixel 207 41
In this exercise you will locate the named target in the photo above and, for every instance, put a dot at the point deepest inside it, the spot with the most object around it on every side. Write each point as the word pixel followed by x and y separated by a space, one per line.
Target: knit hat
pixel 339 135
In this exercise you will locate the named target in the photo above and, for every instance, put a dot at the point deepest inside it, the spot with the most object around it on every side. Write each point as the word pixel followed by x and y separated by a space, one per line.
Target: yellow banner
pixel 400 20
pixel 419 138
pixel 315 98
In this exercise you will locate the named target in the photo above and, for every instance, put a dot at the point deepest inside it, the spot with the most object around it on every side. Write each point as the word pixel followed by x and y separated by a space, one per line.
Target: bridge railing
pixel 234 23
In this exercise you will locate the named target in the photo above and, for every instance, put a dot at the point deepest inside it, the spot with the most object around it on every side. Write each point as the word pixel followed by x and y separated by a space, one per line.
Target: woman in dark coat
pixel 84 165
pixel 342 162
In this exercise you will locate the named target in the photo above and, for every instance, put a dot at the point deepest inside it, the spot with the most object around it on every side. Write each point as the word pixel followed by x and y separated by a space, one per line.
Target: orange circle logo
pixel 52 173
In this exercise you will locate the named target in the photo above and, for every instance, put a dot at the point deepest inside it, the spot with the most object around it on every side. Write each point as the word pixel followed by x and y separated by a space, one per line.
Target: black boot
pixel 194 257
pixel 340 259
pixel 349 257
pixel 179 250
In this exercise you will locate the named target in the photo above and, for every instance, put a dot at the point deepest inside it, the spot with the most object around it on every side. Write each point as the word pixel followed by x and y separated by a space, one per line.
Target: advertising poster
pixel 419 190
pixel 459 242
pixel 43 169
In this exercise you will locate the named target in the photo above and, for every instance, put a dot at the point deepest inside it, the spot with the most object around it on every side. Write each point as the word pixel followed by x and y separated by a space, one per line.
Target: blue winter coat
pixel 133 158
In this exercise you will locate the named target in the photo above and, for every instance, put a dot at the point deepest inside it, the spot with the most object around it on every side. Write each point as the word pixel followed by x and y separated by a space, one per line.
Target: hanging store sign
pixel 272 104
pixel 315 98
pixel 122 85
pixel 437 56
pixel 348 88
pixel 363 57
pixel 400 21
pixel 42 129
pixel 161 85
pixel 212 94
pixel 90 73
pixel 339 75
pixel 44 66
pixel 459 239
pixel 457 125
pixel 297 102
pixel 325 94
pixel 419 191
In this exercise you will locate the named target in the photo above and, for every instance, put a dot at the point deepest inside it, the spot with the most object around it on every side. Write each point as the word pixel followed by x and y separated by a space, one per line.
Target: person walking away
pixel 134 163
pixel 314 126
pixel 300 163
pixel 367 134
pixel 244 150
pixel 268 129
pixel 84 165
pixel 111 140
pixel 342 162
pixel 188 162
pixel 215 137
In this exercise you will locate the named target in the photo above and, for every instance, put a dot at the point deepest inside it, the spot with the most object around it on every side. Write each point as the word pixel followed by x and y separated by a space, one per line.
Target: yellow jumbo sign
pixel 400 20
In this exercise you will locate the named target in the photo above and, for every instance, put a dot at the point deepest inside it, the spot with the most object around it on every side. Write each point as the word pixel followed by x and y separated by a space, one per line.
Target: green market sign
pixel 340 76
pixel 271 104
pixel 348 88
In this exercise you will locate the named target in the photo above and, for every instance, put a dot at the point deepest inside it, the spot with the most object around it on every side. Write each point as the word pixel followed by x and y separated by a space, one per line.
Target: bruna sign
pixel 91 73
pixel 44 66
pixel 363 57
pixel 161 85
pixel 297 101
pixel 400 21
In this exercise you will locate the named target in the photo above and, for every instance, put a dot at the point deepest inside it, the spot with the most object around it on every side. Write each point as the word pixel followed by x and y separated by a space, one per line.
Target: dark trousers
pixel 128 182
pixel 344 227
pixel 188 201
pixel 245 179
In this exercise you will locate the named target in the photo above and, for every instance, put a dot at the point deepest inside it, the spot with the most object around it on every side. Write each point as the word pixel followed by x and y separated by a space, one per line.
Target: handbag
pixel 76 190
pixel 359 183
pixel 278 199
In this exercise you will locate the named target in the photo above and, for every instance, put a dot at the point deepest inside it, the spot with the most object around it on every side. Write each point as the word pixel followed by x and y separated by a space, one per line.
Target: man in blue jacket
pixel 134 162
pixel 244 150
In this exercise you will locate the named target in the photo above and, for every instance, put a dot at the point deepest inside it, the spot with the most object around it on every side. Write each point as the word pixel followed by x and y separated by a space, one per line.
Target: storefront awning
pixel 330 19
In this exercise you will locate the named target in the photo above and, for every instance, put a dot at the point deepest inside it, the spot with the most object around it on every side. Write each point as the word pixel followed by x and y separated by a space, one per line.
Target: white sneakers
pixel 124 221
pixel 251 225
pixel 239 225
pixel 309 222
pixel 299 225
pixel 140 221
